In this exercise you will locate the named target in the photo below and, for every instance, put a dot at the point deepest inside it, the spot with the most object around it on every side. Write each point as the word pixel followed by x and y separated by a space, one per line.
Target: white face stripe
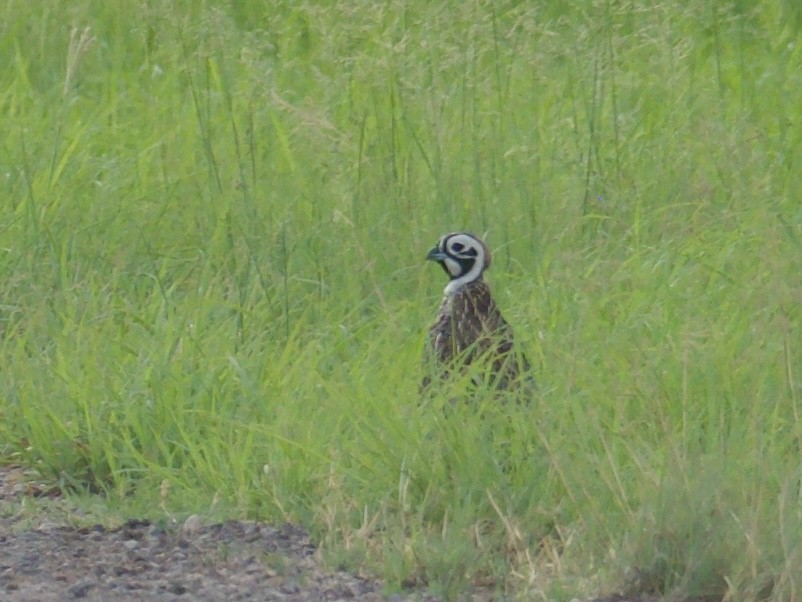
pixel 467 241
pixel 457 283
pixel 452 266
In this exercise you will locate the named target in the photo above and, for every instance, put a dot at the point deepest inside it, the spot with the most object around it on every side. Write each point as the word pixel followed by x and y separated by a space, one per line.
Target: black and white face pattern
pixel 463 257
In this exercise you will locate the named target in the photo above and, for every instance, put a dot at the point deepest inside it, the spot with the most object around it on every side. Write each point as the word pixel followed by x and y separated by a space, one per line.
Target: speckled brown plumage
pixel 469 325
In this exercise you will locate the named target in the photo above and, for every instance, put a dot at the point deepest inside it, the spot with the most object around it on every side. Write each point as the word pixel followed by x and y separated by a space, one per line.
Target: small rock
pixel 192 525
pixel 177 588
pixel 81 588
pixel 289 587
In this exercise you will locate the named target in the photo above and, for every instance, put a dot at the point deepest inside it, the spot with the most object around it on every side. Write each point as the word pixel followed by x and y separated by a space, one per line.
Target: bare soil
pixel 139 560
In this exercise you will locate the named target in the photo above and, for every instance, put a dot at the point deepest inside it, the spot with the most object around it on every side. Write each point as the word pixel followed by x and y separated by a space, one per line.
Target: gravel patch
pixel 141 560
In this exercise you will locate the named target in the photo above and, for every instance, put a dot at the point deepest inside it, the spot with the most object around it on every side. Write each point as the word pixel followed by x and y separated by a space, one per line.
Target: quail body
pixel 469 327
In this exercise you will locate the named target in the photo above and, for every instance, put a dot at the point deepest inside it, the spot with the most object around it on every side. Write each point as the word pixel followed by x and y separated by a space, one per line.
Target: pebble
pixel 193 525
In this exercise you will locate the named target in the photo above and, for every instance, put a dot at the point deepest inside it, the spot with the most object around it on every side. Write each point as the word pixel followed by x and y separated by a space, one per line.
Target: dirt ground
pixel 44 559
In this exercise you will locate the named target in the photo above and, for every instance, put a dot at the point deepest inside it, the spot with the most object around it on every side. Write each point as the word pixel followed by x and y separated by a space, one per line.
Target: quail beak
pixel 436 255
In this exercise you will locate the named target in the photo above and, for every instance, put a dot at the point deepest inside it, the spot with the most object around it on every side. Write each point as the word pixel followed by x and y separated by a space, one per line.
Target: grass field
pixel 214 297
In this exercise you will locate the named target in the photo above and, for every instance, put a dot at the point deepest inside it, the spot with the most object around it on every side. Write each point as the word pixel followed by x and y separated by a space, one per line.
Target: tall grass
pixel 214 297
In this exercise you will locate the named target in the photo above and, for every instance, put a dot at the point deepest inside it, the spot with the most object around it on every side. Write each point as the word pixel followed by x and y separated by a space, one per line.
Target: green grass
pixel 214 294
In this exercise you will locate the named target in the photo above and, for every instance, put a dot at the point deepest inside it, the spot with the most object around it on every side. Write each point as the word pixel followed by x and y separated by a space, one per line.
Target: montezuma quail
pixel 469 325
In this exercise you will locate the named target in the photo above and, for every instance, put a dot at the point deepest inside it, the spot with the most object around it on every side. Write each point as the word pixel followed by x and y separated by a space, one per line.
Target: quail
pixel 469 327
